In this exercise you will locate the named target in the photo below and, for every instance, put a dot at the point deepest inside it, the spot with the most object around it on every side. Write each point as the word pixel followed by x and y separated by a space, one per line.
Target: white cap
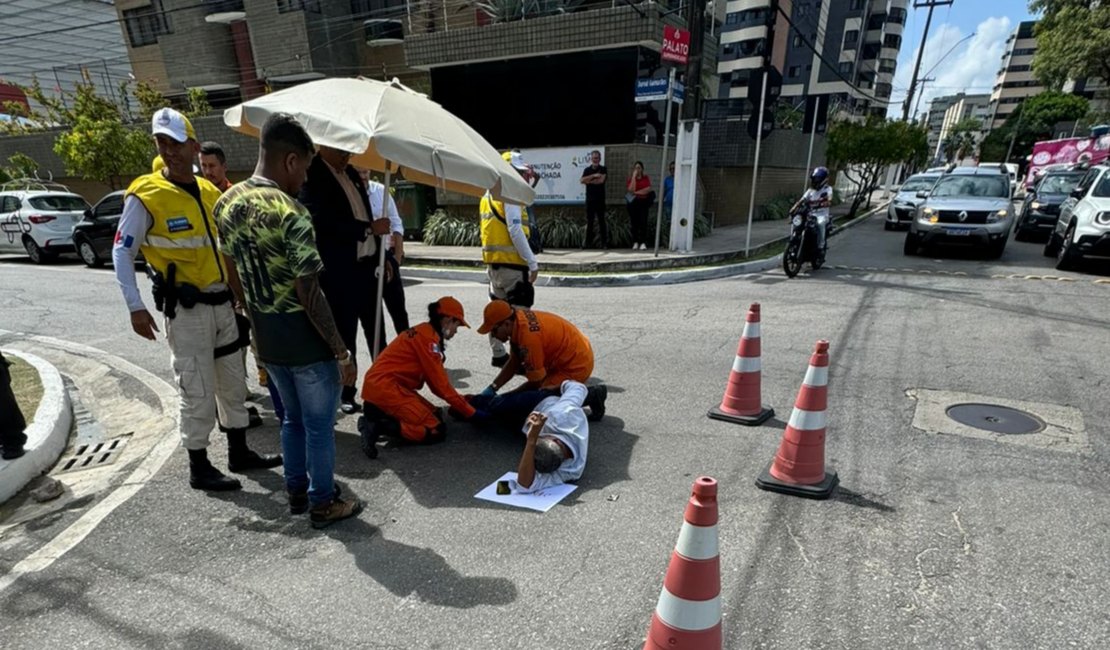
pixel 517 161
pixel 169 122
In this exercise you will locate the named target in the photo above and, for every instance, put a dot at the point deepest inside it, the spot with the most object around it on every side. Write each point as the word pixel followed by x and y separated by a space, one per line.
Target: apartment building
pixel 32 45
pixel 236 49
pixel 847 48
pixel 964 107
pixel 1015 80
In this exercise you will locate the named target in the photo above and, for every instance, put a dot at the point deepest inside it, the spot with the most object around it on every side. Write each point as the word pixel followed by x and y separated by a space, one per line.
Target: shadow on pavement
pixel 845 495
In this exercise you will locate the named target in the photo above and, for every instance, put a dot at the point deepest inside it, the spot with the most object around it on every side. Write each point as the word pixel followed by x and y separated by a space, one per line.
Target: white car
pixel 38 220
pixel 904 205
pixel 1083 230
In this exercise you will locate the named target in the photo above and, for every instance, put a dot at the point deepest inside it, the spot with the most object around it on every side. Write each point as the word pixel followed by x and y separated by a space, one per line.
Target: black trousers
pixel 351 297
pixel 12 423
pixel 393 294
pixel 638 216
pixel 595 210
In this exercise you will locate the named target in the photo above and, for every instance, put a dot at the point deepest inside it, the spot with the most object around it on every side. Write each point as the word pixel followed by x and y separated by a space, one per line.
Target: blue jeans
pixel 512 408
pixel 310 395
pixel 275 399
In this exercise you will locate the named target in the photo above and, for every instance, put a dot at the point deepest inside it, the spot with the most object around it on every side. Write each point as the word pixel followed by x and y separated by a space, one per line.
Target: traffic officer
pixel 511 265
pixel 413 358
pixel 548 350
pixel 168 215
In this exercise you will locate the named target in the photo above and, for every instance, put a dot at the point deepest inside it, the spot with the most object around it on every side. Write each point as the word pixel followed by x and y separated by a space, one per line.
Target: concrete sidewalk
pixel 725 244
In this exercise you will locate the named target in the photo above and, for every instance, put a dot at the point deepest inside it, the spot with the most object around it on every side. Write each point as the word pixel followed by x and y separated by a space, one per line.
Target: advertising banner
pixel 560 171
pixel 1048 153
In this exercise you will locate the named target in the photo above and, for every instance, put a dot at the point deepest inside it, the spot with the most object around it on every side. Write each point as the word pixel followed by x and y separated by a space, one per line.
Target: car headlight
pixel 929 215
pixel 995 217
pixel 797 220
pixel 1103 218
pixel 1036 205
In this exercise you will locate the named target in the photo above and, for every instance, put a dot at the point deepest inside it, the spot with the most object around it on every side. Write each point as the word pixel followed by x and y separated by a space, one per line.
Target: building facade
pixel 238 49
pixel 963 107
pixel 847 49
pixel 1015 80
pixel 81 42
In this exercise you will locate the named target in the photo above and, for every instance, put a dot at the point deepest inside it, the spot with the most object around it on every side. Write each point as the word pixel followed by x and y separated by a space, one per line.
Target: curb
pixel 47 434
pixel 647 278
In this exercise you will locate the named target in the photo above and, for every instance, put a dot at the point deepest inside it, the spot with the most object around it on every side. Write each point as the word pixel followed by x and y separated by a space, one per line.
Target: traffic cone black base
pixel 748 420
pixel 822 490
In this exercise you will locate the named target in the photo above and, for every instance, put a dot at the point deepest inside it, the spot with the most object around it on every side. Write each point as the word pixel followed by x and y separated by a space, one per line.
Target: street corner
pixel 47 431
pixel 1014 422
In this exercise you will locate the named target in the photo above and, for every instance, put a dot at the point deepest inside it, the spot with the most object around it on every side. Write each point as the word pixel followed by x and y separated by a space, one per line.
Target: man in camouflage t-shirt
pixel 267 239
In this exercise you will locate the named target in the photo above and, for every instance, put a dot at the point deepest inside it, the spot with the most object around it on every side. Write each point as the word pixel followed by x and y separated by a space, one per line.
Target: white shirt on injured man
pixel 566 421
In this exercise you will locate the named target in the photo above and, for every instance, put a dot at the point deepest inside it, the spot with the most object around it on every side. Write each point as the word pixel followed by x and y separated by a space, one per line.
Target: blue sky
pixel 973 64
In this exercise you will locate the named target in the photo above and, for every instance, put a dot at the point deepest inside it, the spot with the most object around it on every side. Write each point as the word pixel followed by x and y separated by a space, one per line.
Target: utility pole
pixel 918 105
pixel 695 22
pixel 918 4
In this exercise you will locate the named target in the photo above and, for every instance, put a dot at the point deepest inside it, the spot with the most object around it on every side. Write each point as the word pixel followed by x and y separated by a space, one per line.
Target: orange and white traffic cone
pixel 798 467
pixel 688 614
pixel 743 403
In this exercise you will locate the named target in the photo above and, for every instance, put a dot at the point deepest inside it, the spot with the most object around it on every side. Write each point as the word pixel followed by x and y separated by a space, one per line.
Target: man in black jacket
pixel 348 241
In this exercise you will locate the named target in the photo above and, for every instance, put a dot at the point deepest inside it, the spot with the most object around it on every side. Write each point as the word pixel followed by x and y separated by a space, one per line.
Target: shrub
pixel 777 207
pixel 449 229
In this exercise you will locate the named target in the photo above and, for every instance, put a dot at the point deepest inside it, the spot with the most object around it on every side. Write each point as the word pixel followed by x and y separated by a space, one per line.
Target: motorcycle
pixel 802 246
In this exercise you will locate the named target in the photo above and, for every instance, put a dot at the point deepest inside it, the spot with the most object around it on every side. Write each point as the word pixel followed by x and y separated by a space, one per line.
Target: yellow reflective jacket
pixel 497 245
pixel 183 229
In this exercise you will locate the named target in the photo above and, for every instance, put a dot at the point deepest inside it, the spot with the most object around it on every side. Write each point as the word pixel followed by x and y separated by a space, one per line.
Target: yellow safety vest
pixel 497 245
pixel 183 230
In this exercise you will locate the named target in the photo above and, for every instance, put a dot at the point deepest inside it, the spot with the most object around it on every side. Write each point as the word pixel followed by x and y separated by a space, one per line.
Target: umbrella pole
pixel 381 271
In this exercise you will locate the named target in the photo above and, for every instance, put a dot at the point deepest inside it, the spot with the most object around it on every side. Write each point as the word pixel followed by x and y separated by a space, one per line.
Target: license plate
pixel 957 232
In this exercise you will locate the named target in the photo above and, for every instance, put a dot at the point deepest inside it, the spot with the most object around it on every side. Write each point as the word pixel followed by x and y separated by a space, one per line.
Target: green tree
pixel 1073 41
pixel 1030 122
pixel 862 150
pixel 962 139
pixel 19 165
pixel 97 145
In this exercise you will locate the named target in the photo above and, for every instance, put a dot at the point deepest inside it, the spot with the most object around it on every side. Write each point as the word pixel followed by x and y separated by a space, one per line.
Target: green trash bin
pixel 412 205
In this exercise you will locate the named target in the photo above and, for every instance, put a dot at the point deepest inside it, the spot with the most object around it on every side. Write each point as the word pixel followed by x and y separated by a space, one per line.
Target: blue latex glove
pixel 488 393
pixel 480 415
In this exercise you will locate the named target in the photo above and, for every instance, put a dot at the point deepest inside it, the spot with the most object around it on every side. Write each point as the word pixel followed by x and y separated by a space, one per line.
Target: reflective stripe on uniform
pixel 200 241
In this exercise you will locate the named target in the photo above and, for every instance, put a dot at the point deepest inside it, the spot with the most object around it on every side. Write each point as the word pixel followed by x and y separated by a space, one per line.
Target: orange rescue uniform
pixel 392 382
pixel 551 349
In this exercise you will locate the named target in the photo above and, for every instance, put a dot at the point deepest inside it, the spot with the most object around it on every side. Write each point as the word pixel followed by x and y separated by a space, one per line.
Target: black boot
pixel 500 361
pixel 203 476
pixel 368 436
pixel 595 400
pixel 240 458
pixel 347 402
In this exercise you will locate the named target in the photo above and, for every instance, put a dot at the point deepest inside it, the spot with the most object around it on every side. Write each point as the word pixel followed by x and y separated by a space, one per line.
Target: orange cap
pixel 448 306
pixel 495 312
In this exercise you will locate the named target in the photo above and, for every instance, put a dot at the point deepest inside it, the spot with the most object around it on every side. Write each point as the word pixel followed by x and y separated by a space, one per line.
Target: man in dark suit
pixel 348 240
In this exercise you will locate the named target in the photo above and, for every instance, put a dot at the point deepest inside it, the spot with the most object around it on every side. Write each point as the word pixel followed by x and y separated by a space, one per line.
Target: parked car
pixel 1041 207
pixel 1083 229
pixel 37 217
pixel 903 206
pixel 94 234
pixel 967 206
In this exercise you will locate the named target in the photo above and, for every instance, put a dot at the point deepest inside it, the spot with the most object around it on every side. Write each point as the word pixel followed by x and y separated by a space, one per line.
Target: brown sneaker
pixel 326 515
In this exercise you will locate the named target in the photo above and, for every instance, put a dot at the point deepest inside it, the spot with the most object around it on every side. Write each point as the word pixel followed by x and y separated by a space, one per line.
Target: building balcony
pixel 596 27
pixel 224 11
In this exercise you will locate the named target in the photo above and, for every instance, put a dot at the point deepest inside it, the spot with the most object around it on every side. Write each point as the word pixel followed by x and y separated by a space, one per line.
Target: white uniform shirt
pixel 376 193
pixel 813 197
pixel 566 421
pixel 134 224
pixel 514 221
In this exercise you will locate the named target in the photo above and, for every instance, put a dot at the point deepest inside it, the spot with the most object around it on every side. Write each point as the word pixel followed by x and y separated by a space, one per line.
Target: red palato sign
pixel 676 45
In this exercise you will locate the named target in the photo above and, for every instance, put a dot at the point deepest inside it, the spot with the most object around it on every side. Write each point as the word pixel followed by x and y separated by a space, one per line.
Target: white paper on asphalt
pixel 542 501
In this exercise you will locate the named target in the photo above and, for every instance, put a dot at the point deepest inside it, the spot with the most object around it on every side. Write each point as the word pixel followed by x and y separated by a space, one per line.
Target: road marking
pixel 964 274
pixel 161 452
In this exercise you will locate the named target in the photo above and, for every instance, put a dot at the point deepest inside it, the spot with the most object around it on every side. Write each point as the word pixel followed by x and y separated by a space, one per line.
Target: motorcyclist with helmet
pixel 819 198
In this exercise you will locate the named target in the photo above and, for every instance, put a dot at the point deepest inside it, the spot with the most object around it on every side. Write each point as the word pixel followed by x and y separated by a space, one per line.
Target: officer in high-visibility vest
pixel 511 265
pixel 168 215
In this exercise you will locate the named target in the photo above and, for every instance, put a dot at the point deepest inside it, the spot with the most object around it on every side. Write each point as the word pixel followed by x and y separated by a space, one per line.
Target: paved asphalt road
pixel 933 540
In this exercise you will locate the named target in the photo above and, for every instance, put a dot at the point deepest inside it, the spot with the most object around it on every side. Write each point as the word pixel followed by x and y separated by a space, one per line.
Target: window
pixel 730 48
pixel 892 41
pixel 1019 68
pixel 846 69
pixel 58 203
pixel 9 204
pixel 146 24
pixel 851 37
pixel 286 6
pixel 797 40
pixel 897 15
pixel 794 71
pixel 855 5
pixel 751 47
pixel 732 18
pixel 111 206
pixel 1025 51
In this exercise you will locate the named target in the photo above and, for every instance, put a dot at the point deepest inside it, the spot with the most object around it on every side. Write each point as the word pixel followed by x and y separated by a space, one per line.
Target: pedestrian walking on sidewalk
pixel 639 197
pixel 593 177
pixel 510 263
pixel 169 216
pixel 268 243
pixel 12 422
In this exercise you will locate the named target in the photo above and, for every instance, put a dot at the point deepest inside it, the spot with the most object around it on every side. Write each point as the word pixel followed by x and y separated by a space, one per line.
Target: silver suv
pixel 967 206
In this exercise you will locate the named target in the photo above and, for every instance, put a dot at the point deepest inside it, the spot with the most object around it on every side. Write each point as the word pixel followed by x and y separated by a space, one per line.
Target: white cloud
pixel 971 67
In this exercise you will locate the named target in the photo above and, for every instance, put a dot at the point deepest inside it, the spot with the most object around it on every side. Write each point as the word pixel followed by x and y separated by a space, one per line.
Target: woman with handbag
pixel 639 198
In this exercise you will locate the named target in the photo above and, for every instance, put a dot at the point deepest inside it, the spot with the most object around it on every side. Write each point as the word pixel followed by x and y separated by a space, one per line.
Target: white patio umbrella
pixel 391 129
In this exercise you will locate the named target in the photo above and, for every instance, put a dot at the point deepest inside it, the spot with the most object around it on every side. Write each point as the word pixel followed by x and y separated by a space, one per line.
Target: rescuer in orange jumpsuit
pixel 413 358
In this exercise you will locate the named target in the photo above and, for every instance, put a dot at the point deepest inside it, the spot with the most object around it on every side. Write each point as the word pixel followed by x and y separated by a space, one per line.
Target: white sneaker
pixel 643 247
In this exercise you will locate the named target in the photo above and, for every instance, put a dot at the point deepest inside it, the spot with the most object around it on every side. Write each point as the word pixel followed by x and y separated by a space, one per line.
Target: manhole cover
pixel 999 419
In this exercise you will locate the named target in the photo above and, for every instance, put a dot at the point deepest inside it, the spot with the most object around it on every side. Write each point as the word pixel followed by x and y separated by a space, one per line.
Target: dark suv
pixel 94 234
pixel 1041 207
